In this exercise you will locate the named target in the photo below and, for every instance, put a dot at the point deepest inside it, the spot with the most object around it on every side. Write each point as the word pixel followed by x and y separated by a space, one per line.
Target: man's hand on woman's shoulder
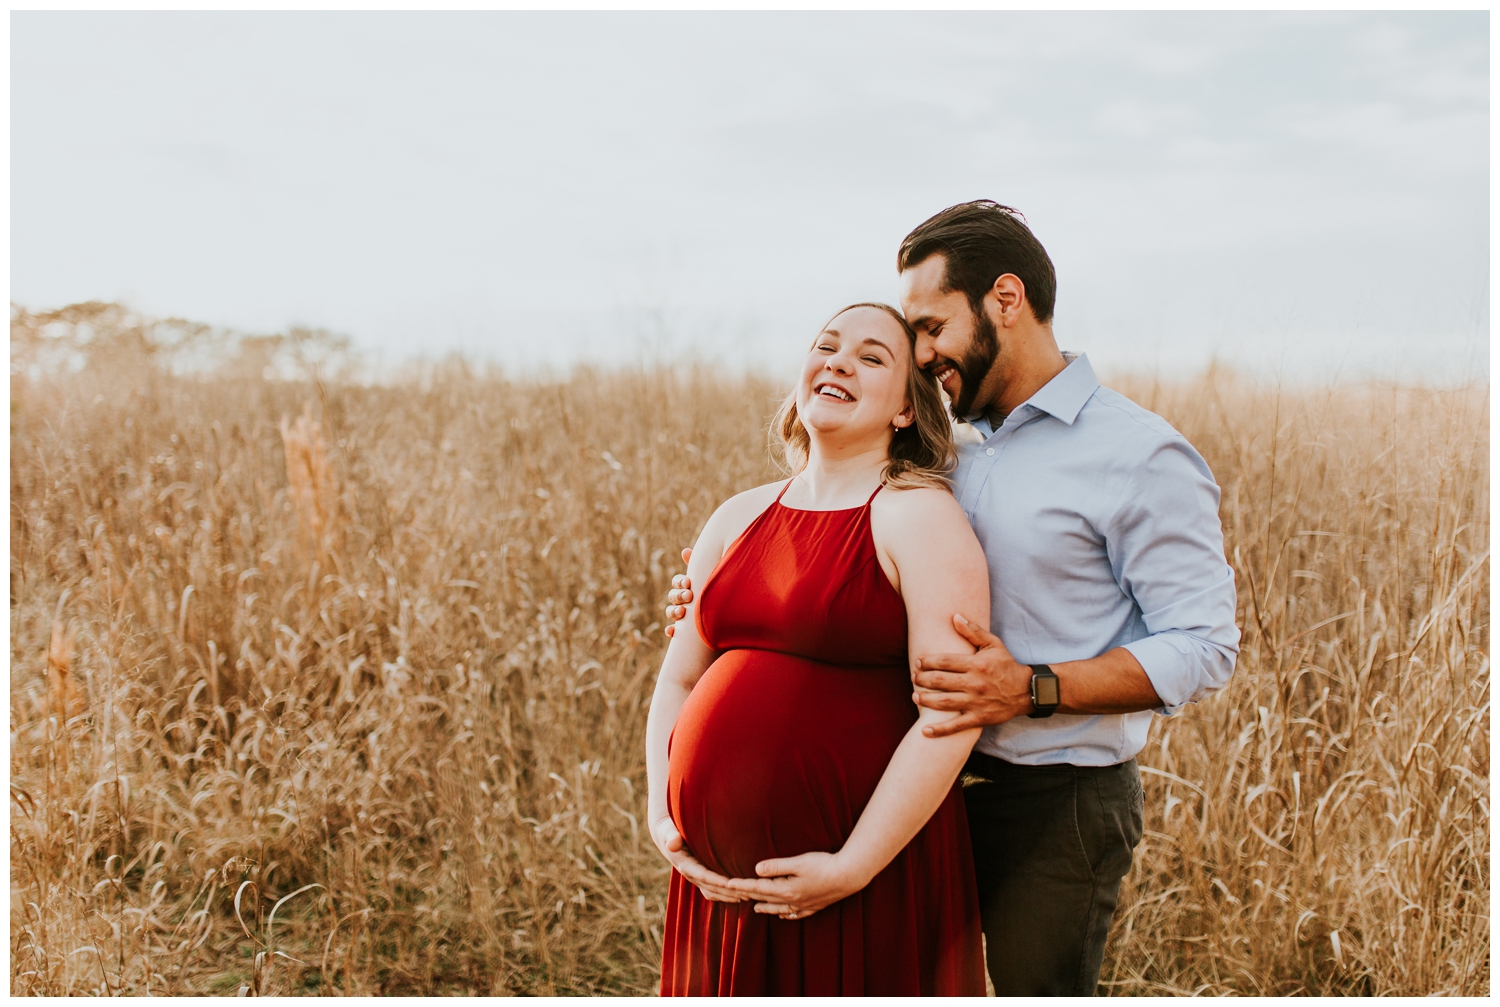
pixel 725 525
pixel 992 687
pixel 986 687
pixel 680 596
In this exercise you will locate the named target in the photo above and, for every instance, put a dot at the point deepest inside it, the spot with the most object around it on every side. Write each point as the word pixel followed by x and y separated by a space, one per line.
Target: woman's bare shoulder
pixel 920 523
pixel 916 503
pixel 751 501
pixel 735 514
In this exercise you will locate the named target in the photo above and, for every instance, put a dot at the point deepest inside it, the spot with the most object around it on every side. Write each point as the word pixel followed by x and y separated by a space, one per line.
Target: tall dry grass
pixel 319 687
pixel 1322 826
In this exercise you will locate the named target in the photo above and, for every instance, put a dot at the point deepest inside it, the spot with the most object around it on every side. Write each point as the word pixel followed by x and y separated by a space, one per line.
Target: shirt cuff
pixel 1168 661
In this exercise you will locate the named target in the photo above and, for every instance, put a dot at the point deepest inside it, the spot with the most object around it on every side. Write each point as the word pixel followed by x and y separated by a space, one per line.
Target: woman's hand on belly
pixel 796 887
pixel 669 841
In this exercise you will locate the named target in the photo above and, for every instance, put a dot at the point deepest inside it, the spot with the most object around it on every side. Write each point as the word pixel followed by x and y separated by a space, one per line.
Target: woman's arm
pixel 940 569
pixel 688 657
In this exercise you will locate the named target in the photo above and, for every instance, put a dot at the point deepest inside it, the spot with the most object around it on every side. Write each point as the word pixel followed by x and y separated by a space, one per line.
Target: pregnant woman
pixel 789 775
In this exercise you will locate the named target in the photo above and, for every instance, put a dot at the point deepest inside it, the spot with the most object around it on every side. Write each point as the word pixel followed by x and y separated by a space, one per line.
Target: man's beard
pixel 975 363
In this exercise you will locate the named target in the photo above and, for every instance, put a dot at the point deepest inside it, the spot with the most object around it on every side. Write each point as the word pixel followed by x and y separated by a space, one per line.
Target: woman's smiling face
pixel 854 380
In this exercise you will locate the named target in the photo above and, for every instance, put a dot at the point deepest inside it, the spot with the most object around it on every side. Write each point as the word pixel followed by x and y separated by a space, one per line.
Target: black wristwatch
pixel 1045 694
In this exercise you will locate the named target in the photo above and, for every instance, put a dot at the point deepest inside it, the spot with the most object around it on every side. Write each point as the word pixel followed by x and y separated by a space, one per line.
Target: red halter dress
pixel 778 750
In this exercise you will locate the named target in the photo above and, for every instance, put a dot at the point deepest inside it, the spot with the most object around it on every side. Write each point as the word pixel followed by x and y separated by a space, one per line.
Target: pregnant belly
pixel 776 755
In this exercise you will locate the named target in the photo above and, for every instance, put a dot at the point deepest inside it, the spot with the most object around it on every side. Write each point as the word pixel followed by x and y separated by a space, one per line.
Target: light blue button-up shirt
pixel 1100 523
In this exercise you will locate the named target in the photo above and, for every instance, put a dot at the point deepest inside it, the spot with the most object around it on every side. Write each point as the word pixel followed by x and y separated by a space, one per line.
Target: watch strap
pixel 1042 710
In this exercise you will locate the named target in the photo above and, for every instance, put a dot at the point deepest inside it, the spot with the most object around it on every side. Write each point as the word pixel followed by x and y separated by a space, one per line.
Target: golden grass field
pixel 325 687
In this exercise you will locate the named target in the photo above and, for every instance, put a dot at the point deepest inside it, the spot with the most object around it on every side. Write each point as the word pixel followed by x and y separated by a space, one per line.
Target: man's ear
pixel 1008 300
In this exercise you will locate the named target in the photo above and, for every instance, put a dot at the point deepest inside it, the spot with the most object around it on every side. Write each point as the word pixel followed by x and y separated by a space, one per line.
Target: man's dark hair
pixel 980 242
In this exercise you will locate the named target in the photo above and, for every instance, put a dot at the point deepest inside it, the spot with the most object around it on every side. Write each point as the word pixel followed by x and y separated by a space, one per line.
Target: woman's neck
pixel 834 477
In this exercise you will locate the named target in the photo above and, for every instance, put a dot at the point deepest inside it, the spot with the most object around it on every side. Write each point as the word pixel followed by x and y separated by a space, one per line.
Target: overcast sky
pixel 1306 192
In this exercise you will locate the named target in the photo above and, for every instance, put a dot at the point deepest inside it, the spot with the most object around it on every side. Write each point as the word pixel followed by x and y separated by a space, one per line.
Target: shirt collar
pixel 1063 397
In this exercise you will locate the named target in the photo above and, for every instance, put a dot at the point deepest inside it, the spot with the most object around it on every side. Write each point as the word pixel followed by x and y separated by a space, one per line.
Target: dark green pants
pixel 1051 846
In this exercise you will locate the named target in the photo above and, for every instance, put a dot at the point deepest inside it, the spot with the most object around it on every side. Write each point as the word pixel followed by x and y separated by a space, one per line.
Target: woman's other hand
pixel 669 841
pixel 680 596
pixel 796 887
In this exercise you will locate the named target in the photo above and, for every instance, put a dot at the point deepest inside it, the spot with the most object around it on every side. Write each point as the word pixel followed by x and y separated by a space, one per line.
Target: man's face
pixel 954 345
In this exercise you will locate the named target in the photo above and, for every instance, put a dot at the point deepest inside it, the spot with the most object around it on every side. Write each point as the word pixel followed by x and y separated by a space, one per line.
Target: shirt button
pixel 989 451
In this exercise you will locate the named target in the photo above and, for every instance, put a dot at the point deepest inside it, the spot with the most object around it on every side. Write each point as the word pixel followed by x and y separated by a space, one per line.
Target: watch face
pixel 1046 690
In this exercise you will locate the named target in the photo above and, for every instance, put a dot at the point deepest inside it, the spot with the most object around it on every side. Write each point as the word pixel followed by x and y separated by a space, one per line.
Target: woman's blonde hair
pixel 922 454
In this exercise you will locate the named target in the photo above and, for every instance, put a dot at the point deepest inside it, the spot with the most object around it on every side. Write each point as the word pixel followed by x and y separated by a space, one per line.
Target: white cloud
pixel 527 184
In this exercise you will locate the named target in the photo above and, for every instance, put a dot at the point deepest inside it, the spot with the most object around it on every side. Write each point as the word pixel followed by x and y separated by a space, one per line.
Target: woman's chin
pixel 829 409
pixel 819 421
pixel 841 431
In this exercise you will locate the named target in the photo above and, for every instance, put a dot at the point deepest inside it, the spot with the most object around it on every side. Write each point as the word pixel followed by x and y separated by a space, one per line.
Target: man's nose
pixel 925 353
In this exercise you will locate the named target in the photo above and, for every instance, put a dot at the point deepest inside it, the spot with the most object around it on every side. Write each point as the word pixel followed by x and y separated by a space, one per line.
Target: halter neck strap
pixel 794 479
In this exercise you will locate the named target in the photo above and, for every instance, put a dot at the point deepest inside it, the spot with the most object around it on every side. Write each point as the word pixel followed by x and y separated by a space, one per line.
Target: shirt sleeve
pixel 1166 547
